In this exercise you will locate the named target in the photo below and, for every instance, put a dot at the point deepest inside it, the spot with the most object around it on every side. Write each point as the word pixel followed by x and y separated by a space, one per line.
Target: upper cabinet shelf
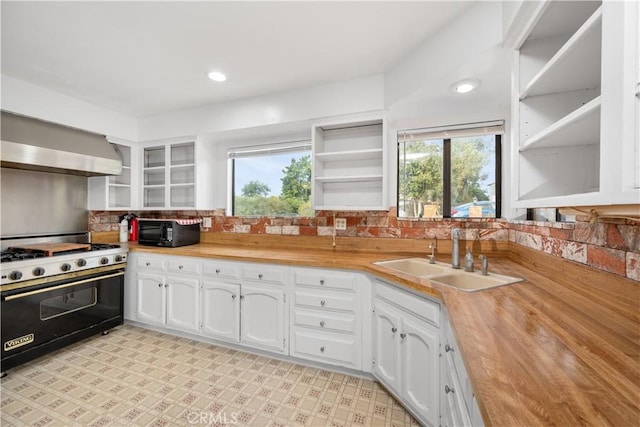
pixel 575 66
pixel 349 164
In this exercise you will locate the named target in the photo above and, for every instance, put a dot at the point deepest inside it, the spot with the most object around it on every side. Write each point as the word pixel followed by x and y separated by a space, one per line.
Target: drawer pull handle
pixel 148 264
pixel 322 303
pixel 403 335
pixel 394 330
pixel 217 271
pixel 260 276
pixel 322 349
pixel 447 348
pixel 322 323
pixel 322 281
pixel 448 389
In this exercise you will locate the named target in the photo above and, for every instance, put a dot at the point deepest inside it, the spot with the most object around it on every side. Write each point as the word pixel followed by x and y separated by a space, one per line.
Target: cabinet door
pixel 262 317
pixel 220 310
pixel 182 303
pixel 420 372
pixel 386 351
pixel 151 299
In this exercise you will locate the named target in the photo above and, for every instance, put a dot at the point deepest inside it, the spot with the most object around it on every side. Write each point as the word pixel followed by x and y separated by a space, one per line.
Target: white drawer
pixel 336 349
pixel 264 274
pixel 184 266
pixel 421 307
pixel 324 279
pixel 221 269
pixel 151 263
pixel 325 320
pixel 325 300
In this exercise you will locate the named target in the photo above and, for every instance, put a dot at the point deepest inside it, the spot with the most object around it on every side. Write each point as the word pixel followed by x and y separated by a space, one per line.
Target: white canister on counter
pixel 124 230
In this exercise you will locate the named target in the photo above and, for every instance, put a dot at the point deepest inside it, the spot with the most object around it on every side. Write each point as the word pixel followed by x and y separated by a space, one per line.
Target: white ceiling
pixel 145 58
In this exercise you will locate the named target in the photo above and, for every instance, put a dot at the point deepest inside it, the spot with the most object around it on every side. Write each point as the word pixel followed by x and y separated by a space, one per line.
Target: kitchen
pixel 554 88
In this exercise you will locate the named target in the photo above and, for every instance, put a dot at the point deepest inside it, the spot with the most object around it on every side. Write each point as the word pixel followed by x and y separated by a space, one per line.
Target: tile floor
pixel 137 377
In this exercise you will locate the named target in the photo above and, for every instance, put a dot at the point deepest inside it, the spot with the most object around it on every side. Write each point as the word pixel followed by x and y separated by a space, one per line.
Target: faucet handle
pixel 485 265
pixel 432 257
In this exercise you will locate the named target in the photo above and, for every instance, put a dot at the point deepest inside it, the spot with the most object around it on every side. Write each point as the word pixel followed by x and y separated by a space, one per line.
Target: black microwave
pixel 168 232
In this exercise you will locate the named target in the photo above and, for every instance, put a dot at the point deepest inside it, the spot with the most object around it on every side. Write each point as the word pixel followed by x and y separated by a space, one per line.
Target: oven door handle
pixel 66 285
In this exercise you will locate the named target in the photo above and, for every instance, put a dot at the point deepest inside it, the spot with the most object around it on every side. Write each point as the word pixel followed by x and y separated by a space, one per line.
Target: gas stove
pixel 19 265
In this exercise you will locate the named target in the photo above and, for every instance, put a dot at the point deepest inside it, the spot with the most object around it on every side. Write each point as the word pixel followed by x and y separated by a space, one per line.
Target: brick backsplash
pixel 609 245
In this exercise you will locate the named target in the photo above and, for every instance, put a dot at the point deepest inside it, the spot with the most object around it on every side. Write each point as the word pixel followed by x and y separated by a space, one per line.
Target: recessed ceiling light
pixel 217 76
pixel 466 86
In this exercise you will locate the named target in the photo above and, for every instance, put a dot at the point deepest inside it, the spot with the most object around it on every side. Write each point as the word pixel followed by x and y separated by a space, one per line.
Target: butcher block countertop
pixel 561 348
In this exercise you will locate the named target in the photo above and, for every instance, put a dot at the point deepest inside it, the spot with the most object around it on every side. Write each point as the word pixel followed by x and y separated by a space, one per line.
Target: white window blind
pixel 270 149
pixel 454 131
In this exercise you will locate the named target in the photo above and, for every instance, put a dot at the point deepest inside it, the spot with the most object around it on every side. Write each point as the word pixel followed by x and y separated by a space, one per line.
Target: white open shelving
pixel 349 165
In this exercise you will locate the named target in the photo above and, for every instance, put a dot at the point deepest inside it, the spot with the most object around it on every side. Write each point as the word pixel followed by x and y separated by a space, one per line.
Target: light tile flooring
pixel 137 377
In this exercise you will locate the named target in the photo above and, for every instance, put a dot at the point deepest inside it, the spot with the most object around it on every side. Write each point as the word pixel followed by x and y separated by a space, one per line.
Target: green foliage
pixel 467 160
pixel 294 199
pixel 255 188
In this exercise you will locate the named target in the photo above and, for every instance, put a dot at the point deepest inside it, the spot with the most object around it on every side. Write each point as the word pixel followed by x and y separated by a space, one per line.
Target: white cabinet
pixel 262 314
pixel 220 310
pixel 151 298
pixel 349 170
pixel 573 105
pixel 406 349
pixel 168 175
pixel 115 192
pixel 458 405
pixel 327 317
pixel 168 300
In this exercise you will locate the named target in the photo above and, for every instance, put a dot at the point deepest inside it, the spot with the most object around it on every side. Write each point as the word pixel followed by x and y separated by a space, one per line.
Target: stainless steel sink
pixel 418 267
pixel 443 274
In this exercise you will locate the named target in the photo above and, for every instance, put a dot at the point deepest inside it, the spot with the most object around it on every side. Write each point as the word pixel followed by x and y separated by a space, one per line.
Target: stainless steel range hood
pixel 33 144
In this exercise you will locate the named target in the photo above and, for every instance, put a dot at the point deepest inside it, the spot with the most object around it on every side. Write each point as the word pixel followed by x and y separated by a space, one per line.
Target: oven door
pixel 35 316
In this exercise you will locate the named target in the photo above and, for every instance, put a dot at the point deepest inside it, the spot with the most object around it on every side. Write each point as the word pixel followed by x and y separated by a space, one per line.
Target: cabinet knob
pixel 394 330
pixel 147 264
pixel 322 349
pixel 403 335
pixel 447 348
pixel 322 323
pixel 159 285
pixel 233 296
pixel 241 296
pixel 448 389
pixel 166 285
pixel 260 276
pixel 217 271
pixel 322 303
pixel 180 267
pixel 322 281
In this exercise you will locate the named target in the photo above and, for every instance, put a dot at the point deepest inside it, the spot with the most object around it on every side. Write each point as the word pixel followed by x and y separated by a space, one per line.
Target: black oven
pixel 43 315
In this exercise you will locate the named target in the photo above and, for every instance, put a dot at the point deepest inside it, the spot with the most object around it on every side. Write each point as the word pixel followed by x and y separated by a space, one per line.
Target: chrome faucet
pixel 455 251
pixel 432 257
pixel 485 265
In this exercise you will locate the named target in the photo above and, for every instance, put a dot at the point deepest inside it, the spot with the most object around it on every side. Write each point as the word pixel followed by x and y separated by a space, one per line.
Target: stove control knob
pixel 118 258
pixel 38 271
pixel 15 275
pixel 65 267
pixel 82 262
pixel 104 260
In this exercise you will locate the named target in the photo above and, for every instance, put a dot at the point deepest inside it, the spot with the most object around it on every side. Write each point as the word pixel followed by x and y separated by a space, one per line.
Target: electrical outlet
pixel 206 222
pixel 341 223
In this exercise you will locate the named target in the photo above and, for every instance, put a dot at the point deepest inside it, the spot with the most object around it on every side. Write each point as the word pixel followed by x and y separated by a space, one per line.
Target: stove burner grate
pixel 13 255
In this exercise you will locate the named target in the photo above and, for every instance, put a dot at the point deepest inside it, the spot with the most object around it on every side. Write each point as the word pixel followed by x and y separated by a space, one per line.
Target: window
pixel 450 172
pixel 271 180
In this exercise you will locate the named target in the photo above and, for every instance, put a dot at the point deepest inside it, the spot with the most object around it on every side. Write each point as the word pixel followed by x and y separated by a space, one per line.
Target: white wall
pixel 35 101
pixel 364 94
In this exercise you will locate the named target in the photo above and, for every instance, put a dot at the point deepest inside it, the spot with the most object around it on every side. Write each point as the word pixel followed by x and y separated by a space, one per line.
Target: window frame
pixel 446 173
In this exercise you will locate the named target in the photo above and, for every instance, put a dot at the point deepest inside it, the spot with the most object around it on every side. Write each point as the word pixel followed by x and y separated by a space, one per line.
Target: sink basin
pixel 418 267
pixel 443 274
pixel 473 281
